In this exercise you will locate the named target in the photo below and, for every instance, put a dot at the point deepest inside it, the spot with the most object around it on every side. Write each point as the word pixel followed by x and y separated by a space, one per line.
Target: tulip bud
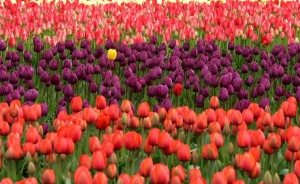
pixel 226 129
pixel 124 119
pixel 267 179
pixel 31 168
pixel 231 148
pixel 108 130
pixel 276 179
pixel 155 120
pixel 296 40
pixel 40 130
pixel 195 157
pixel 112 159
pixel 63 156
pixel 181 136
pixel 28 157
pixel 35 158
pixel 111 170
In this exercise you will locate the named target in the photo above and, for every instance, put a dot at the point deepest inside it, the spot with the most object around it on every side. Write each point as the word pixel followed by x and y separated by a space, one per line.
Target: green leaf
pixel 284 171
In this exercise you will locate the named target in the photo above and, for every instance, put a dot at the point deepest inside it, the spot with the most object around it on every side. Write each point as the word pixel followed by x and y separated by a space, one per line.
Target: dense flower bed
pixel 149 93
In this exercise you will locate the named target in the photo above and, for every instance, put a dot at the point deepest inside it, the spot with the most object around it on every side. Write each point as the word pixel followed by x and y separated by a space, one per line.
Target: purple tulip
pixel 31 95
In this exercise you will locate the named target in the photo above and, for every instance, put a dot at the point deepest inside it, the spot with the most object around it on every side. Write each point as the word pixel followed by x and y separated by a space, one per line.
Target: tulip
pixel 112 54
pixel 100 178
pixel 143 110
pixel 48 177
pixel 184 153
pixel 290 178
pixel 146 166
pixel 243 139
pixel 99 160
pixel 210 152
pixel 160 174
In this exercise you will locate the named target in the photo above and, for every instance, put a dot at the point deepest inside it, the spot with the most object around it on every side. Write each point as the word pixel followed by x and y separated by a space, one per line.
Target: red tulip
pixel 210 151
pixel 82 176
pixel 48 177
pixel 184 153
pixel 160 174
pixel 133 140
pixel 99 160
pixel 145 166
pixel 219 178
pixel 243 139
pixel 143 109
pixel 290 178
pixel 100 178
pixel 177 89
pixel 76 104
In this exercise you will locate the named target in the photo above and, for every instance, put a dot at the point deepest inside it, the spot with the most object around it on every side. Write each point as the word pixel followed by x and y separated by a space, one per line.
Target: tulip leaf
pixel 284 171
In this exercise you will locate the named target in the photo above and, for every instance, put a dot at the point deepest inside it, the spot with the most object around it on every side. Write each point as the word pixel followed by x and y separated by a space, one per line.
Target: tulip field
pixel 149 92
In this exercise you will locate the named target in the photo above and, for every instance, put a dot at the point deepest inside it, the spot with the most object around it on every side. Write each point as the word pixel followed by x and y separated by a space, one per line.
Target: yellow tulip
pixel 112 54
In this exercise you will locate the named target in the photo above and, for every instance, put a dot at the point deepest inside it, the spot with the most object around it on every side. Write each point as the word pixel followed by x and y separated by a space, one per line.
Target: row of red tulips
pixel 104 144
pixel 255 21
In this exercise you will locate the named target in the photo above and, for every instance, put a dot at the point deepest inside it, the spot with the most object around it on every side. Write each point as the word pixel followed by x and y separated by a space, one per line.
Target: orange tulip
pixel 85 160
pixel 100 102
pixel 165 140
pixel 214 102
pixel 246 162
pixel 111 170
pixel 179 172
pixel 243 139
pixel 289 108
pixel 293 144
pixel 256 171
pixel 278 119
pixel 94 144
pixel 118 140
pixel 113 112
pixel 89 115
pixel 100 178
pixel 153 136
pixel 102 121
pixel 82 176
pixel 194 173
pixel 256 152
pixel 229 174
pixel 160 174
pixel 247 116
pixel 145 166
pixel 124 179
pixel 210 152
pixel 108 148
pixel 236 117
pixel 137 179
pixel 28 147
pixel 257 138
pixel 184 153
pixel 143 110
pixel 210 115
pixel 290 178
pixel 48 177
pixel 60 145
pixel 217 139
pixel 297 168
pixel 6 181
pixel 4 128
pixel 275 140
pixel 99 160
pixel 219 178
pixel 126 106
pixel 132 140
pixel 76 104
